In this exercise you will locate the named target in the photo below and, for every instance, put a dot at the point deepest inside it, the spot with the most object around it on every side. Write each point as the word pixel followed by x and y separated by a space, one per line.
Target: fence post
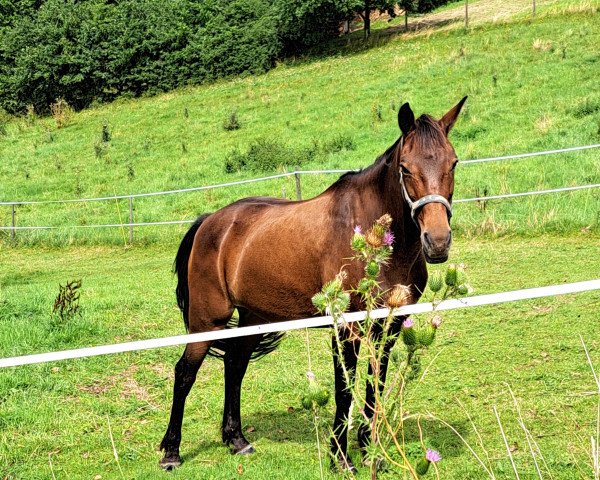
pixel 130 220
pixel 298 186
pixel 467 13
pixel 14 230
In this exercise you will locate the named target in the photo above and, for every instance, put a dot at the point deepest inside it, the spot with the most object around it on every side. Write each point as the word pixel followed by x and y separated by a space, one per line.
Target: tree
pixel 367 6
pixel 408 6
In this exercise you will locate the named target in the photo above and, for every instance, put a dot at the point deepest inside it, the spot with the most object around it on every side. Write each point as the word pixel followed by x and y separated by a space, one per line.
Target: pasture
pixel 532 85
pixel 60 412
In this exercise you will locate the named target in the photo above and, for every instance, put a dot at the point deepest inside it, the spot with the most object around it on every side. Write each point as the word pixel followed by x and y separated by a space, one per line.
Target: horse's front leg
pixel 364 431
pixel 345 349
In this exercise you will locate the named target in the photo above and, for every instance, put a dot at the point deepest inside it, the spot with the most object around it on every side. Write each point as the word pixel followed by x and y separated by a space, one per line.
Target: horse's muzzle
pixel 436 247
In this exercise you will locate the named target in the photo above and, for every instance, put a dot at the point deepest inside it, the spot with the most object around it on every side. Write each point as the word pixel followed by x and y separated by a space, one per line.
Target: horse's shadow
pixel 297 427
pixel 279 427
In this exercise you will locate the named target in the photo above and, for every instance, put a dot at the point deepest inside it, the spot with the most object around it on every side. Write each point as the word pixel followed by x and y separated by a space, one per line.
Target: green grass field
pixel 532 85
pixel 62 410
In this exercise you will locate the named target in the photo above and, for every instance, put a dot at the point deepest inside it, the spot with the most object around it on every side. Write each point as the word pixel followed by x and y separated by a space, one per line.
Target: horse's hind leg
pixel 237 356
pixel 185 376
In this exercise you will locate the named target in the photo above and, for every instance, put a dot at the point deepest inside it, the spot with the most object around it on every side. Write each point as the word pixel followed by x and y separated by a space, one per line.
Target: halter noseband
pixel 416 205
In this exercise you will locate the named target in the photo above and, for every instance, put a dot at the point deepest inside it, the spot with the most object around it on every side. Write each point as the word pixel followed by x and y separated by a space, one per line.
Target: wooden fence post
pixel 298 187
pixel 131 220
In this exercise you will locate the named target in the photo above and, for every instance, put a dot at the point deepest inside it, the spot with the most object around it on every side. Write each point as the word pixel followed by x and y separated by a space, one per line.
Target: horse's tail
pixel 268 342
pixel 180 267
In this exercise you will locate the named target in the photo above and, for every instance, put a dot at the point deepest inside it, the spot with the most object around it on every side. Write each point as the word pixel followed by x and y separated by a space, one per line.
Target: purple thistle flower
pixel 388 238
pixel 408 323
pixel 358 229
pixel 433 456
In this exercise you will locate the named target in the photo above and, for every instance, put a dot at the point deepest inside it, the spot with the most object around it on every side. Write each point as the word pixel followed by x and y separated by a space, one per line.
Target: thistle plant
pixel 385 417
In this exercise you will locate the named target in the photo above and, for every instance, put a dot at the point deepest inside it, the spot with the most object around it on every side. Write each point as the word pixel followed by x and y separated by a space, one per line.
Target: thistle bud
pixel 395 356
pixel 398 297
pixel 374 239
pixel 319 300
pixel 426 336
pixel 306 402
pixel 365 285
pixel 321 397
pixel 379 230
pixel 342 302
pixel 332 288
pixel 436 321
pixel 385 221
pixel 430 457
pixel 388 238
pixel 372 268
pixel 409 336
pixel 462 289
pixel 435 282
pixel 358 242
pixel 451 275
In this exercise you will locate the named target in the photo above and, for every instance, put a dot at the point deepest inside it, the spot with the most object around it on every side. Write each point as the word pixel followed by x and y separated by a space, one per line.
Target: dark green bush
pixel 266 155
pixel 338 143
pixel 82 51
pixel 232 122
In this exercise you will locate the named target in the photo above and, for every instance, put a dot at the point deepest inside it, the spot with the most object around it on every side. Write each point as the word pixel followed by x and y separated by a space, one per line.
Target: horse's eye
pixel 454 164
pixel 405 171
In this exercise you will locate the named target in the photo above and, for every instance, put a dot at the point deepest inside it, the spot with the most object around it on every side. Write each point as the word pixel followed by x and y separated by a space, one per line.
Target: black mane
pixel 427 131
pixel 385 157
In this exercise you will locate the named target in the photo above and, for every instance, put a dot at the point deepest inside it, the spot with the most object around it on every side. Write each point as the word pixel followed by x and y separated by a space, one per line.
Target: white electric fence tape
pixel 453 304
pixel 179 222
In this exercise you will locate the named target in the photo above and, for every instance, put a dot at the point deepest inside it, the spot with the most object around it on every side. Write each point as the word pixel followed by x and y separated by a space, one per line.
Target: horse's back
pixel 267 254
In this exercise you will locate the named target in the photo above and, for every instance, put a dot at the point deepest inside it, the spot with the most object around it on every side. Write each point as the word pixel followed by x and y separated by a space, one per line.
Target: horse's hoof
pixel 245 450
pixel 380 464
pixel 170 463
pixel 343 464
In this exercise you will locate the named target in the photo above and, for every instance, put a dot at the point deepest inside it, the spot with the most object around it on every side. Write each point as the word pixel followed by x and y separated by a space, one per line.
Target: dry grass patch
pixel 542 45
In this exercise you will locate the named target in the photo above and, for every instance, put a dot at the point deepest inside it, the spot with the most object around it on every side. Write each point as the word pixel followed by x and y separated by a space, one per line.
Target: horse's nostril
pixel 426 238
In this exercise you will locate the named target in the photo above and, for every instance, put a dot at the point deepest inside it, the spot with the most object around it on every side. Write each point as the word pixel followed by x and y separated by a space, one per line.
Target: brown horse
pixel 267 257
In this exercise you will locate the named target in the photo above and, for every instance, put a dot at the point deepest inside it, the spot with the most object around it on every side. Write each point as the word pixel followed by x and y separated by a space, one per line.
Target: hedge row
pixel 86 50
pixel 99 49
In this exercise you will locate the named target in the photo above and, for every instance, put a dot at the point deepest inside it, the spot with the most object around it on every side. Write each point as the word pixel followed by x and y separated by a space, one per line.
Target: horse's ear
pixel 447 121
pixel 406 119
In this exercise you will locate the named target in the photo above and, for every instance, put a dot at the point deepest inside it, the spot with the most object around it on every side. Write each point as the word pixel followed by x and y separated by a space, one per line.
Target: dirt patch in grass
pixel 125 382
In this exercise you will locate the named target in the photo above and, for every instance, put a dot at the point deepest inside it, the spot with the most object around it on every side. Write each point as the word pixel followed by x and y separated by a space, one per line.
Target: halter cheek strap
pixel 416 205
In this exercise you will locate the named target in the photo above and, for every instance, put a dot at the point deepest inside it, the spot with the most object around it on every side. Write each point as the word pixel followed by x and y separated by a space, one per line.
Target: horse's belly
pixel 276 291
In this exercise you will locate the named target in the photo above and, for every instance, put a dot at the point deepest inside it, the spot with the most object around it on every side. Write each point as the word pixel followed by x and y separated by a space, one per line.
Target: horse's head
pixel 426 163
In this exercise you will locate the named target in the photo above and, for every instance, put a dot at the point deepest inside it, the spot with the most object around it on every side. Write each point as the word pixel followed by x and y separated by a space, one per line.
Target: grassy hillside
pixel 532 84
